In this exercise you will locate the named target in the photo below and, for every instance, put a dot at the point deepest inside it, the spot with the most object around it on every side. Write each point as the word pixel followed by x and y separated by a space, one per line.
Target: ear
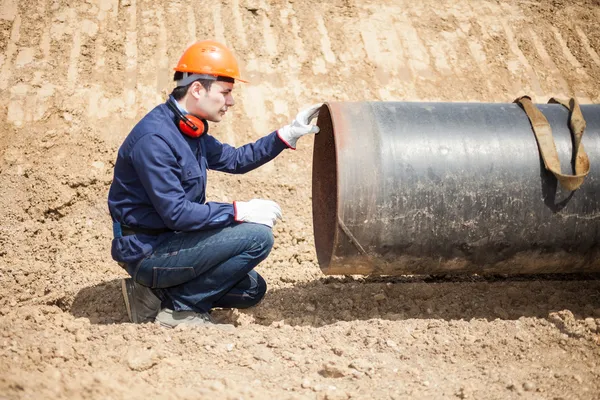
pixel 197 90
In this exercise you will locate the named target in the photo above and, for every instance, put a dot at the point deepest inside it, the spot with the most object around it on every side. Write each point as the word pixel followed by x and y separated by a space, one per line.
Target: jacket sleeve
pixel 226 158
pixel 159 173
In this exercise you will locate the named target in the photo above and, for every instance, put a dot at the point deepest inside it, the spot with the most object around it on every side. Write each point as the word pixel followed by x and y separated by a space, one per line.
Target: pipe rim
pixel 325 190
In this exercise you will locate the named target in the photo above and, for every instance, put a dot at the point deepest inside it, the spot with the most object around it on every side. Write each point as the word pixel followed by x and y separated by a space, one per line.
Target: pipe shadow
pixel 332 299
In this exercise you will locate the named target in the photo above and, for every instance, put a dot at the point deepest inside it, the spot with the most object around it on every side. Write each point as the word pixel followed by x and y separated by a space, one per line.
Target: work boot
pixel 170 319
pixel 141 303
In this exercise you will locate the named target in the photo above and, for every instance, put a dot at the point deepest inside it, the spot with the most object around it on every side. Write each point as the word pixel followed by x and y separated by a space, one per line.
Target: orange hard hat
pixel 208 57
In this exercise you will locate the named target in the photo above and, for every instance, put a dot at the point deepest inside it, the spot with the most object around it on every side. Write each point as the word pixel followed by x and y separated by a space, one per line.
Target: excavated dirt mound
pixel 76 76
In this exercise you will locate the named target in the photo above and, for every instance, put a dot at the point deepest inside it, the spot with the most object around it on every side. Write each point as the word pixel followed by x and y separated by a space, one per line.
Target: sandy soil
pixel 76 75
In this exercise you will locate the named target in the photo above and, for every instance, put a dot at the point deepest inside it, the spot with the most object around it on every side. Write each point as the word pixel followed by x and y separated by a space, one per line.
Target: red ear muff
pixel 188 124
pixel 192 126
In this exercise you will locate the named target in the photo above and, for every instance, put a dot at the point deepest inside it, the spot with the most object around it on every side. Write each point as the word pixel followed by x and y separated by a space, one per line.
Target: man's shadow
pixel 332 299
pixel 102 303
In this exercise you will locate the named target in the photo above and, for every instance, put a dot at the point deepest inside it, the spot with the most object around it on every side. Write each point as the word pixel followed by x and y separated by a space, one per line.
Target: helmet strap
pixel 190 77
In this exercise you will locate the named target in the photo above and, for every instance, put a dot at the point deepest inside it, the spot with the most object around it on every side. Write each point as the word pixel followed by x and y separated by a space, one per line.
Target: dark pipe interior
pixel 324 188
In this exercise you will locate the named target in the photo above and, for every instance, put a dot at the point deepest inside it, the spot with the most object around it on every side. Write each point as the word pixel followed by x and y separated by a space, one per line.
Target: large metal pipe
pixel 438 188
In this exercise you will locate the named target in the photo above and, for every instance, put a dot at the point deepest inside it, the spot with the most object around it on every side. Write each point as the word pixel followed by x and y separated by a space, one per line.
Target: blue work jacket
pixel 159 181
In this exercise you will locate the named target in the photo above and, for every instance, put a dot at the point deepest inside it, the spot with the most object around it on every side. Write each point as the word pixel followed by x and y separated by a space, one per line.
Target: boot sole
pixel 211 324
pixel 165 325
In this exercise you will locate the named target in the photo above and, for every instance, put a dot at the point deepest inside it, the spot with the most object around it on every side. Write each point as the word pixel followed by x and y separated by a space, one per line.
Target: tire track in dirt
pixel 227 132
pixel 73 64
pixel 474 41
pixel 566 52
pixel 270 37
pixel 18 92
pixel 296 57
pixel 586 44
pixel 239 29
pixel 149 32
pixel 164 54
pixel 557 29
pixel 8 14
pixel 548 64
pixel 496 50
pixel 111 98
pixel 219 30
pixel 330 58
pixel 192 27
pixel 265 90
pixel 254 121
pixel 101 91
pixel 131 63
pixel 384 34
pixel 519 62
pixel 106 66
pixel 419 60
pixel 288 18
pixel 8 9
pixel 388 54
pixel 468 56
pixel 443 25
pixel 99 50
pixel 27 100
pixel 11 49
pixel 353 77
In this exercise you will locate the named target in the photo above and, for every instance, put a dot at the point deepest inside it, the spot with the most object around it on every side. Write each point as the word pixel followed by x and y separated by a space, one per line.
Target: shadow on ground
pixel 101 304
pixel 329 300
pixel 332 299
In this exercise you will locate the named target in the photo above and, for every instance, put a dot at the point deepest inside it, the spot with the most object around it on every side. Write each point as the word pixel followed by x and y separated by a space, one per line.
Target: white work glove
pixel 257 211
pixel 300 126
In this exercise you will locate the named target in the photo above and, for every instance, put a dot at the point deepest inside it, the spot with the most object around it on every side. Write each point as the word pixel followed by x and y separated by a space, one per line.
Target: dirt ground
pixel 76 75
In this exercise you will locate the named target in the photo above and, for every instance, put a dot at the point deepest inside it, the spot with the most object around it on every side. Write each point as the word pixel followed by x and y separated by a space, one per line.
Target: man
pixel 185 255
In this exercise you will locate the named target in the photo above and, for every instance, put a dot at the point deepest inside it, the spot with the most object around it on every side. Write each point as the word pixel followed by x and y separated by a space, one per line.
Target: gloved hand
pixel 300 126
pixel 257 211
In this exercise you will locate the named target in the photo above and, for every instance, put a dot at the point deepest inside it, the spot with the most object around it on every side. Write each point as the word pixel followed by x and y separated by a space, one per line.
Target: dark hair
pixel 181 91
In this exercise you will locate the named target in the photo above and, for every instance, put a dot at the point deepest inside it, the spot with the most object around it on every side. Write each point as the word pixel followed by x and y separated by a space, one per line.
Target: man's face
pixel 213 104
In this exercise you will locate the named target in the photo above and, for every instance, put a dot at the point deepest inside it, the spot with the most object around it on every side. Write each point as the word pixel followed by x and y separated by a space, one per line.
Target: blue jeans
pixel 196 271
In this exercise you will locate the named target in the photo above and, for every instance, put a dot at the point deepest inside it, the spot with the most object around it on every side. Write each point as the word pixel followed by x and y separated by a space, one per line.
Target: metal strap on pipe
pixel 543 135
pixel 351 237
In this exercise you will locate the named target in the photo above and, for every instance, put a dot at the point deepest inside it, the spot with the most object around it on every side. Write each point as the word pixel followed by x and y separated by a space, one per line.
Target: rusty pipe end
pixel 325 188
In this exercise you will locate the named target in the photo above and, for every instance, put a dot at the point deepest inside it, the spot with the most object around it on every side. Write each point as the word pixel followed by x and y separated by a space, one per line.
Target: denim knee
pixel 258 293
pixel 252 296
pixel 262 238
pixel 247 293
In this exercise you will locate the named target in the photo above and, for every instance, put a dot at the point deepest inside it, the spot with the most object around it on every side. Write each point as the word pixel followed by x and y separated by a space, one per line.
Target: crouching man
pixel 185 255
